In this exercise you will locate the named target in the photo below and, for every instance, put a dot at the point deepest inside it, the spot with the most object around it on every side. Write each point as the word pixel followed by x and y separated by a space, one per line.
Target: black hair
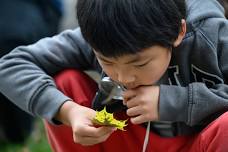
pixel 224 3
pixel 119 27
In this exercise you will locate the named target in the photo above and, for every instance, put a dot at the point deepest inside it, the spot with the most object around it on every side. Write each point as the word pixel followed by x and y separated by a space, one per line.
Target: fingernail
pixel 114 129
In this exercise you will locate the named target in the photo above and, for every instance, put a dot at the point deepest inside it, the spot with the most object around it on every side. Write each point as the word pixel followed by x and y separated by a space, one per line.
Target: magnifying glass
pixel 111 89
pixel 109 95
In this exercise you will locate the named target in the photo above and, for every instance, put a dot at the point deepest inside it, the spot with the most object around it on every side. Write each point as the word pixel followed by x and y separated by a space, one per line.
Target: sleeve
pixel 196 103
pixel 25 73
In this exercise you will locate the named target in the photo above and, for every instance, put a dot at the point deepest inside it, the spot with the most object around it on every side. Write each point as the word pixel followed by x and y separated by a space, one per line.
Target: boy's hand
pixel 142 103
pixel 80 119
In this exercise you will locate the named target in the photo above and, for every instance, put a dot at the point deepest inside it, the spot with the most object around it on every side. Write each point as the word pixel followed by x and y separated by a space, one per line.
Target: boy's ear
pixel 181 34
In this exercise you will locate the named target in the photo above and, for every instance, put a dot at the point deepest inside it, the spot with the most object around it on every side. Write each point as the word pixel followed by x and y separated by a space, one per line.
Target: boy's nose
pixel 125 78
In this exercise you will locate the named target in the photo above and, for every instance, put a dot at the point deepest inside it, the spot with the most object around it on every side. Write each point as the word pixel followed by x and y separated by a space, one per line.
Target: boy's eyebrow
pixel 136 59
pixel 102 58
pixel 133 60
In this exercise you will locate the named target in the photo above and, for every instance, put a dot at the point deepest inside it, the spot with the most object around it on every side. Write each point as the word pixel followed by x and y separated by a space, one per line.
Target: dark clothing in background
pixel 23 22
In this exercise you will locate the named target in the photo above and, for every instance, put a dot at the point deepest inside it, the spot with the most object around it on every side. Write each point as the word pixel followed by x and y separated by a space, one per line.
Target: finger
pixel 134 111
pixel 128 94
pixel 86 141
pixel 133 102
pixel 138 120
pixel 91 131
pixel 125 102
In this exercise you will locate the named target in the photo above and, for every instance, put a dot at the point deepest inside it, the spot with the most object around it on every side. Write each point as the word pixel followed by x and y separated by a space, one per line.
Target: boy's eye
pixel 141 65
pixel 106 63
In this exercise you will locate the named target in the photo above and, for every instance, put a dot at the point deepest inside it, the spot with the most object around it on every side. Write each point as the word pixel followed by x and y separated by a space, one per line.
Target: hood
pixel 201 9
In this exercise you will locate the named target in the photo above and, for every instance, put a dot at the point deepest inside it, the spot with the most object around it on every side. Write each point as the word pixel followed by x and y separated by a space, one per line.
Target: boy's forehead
pixel 126 57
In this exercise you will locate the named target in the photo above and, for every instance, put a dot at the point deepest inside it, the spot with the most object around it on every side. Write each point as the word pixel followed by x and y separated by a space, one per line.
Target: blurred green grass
pixel 36 142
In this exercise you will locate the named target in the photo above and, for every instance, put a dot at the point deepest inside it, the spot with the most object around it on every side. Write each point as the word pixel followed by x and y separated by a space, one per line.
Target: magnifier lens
pixel 108 86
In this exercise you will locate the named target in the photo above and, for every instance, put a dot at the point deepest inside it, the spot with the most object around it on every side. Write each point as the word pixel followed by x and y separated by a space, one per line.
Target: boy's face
pixel 144 68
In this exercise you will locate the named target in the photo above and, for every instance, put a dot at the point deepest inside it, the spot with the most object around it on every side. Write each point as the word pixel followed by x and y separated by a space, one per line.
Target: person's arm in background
pixel 25 76
pixel 23 71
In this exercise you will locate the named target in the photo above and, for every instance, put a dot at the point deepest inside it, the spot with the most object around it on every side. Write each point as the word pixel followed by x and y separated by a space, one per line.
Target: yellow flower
pixel 106 119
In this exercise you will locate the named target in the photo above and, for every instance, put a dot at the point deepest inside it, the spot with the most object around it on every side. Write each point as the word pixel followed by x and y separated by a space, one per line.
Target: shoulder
pixel 209 31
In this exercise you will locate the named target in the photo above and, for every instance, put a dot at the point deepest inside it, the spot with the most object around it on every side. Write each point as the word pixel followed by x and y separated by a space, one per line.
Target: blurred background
pixel 24 22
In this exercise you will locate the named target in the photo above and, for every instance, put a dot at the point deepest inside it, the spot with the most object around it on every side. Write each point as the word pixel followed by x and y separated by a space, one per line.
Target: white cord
pixel 147 136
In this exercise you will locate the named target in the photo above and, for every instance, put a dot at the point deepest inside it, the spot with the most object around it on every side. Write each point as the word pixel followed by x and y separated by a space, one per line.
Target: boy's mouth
pixel 137 86
pixel 131 86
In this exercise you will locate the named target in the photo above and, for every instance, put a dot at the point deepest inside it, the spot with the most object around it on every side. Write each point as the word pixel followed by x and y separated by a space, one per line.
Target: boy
pixel 174 70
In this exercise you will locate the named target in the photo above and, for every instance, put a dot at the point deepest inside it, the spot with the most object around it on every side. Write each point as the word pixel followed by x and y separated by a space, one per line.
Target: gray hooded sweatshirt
pixel 195 87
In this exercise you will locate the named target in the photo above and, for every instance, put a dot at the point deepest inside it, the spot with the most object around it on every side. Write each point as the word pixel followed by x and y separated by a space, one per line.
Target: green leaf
pixel 104 118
